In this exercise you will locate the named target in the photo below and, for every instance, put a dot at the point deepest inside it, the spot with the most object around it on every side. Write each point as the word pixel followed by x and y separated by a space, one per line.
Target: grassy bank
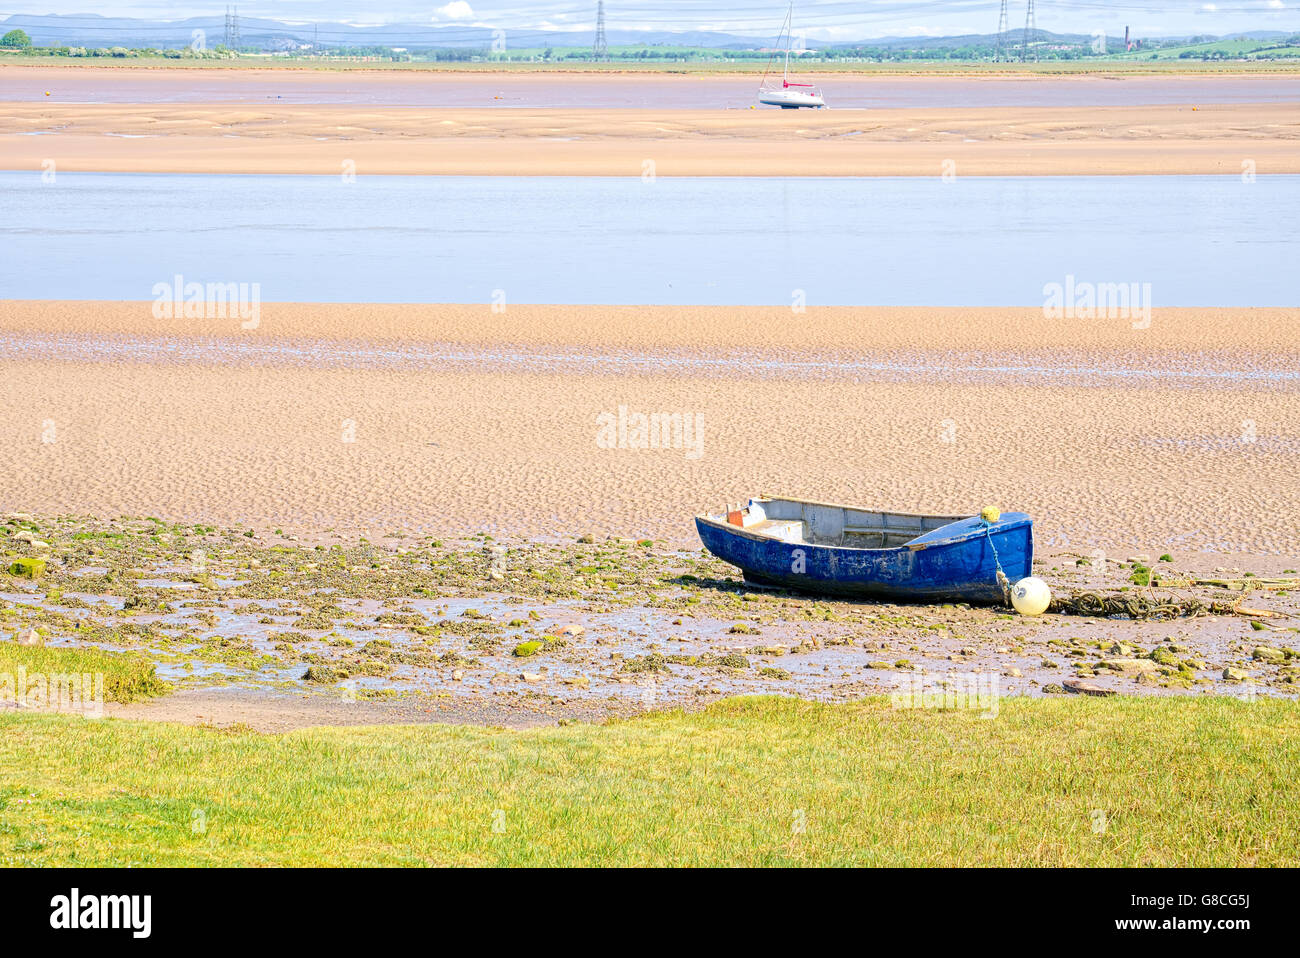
pixel 1188 781
pixel 127 677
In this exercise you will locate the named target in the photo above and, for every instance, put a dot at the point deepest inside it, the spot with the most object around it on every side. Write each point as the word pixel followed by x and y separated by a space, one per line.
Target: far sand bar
pixel 976 141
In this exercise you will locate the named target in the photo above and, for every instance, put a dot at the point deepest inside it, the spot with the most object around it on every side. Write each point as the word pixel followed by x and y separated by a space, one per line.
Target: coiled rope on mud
pixel 1137 605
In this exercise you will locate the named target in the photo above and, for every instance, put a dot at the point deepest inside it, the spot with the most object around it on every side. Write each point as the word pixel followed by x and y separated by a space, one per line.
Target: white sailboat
pixel 787 95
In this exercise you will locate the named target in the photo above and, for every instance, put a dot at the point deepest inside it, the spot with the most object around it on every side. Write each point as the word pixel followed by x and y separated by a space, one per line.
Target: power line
pixel 706 15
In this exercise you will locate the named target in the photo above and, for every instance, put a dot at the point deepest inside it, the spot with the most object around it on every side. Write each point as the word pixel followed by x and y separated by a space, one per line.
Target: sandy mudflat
pixel 1181 437
pixel 1030 140
pixel 385 122
pixel 568 87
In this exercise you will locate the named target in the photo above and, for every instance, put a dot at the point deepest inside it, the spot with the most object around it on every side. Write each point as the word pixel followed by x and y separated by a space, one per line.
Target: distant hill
pixel 90 30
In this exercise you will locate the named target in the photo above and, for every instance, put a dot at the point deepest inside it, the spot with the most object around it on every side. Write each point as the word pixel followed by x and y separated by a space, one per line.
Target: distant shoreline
pixel 909 68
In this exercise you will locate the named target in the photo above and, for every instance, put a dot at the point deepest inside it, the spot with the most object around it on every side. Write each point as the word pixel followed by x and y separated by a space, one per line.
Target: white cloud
pixel 456 10
pixel 1276 5
pixel 1209 7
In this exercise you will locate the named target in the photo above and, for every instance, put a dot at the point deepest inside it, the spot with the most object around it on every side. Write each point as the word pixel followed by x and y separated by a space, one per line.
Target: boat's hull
pixel 945 570
pixel 791 99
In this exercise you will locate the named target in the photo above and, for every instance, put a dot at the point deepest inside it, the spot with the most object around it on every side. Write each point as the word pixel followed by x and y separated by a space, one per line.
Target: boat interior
pixel 819 523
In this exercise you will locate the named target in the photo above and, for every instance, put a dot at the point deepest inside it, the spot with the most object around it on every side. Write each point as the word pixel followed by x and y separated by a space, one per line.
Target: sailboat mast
pixel 789 39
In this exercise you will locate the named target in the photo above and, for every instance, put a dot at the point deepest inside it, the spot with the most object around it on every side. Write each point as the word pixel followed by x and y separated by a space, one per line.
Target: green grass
pixel 127 677
pixel 1127 781
pixel 1239 47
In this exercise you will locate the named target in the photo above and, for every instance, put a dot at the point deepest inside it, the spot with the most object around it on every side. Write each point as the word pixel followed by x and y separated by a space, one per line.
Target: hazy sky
pixel 824 19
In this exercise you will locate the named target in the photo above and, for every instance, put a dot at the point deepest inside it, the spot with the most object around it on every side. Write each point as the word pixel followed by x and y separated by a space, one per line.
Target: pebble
pixel 1131 665
pixel 1080 687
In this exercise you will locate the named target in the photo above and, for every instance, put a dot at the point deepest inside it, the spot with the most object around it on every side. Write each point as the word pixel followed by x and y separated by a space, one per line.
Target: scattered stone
pixel 321 674
pixel 578 681
pixel 1014 673
pixel 457 675
pixel 653 662
pixel 525 649
pixel 1164 657
pixel 30 638
pixel 743 628
pixel 1130 666
pixel 1268 654
pixel 531 676
pixel 1235 675
pixel 1052 688
pixel 27 568
pixel 1085 688
pixel 1146 678
pixel 570 630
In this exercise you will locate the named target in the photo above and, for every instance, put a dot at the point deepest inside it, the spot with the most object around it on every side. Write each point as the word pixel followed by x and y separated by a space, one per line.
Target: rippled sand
pixel 453 419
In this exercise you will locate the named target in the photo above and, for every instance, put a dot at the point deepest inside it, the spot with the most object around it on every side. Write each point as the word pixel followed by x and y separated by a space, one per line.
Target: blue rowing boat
pixel 844 550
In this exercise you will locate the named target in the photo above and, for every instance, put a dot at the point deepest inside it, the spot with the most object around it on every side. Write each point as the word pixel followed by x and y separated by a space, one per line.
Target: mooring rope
pixel 1003 582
